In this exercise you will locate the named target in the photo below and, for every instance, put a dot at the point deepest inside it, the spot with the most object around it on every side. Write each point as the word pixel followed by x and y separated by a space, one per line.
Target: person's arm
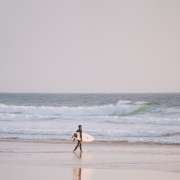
pixel 74 136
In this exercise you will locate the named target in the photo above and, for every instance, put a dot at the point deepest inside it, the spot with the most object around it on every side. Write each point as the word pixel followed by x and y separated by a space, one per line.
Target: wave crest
pixel 121 108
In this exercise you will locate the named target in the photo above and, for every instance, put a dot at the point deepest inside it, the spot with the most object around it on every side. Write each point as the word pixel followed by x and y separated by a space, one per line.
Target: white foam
pixel 125 120
pixel 121 108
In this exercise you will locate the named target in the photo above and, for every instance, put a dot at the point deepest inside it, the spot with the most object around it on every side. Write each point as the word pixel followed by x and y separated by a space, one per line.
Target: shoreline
pixel 64 141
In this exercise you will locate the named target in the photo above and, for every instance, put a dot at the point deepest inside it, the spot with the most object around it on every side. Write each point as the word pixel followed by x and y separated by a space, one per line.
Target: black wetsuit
pixel 79 141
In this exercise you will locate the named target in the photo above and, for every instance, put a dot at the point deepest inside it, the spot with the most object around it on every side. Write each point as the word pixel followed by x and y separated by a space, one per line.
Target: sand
pixel 20 160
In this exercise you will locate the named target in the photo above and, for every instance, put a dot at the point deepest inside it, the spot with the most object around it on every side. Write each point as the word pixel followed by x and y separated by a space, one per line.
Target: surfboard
pixel 85 137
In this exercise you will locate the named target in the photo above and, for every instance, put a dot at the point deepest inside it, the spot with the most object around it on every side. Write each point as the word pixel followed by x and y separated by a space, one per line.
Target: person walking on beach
pixel 79 138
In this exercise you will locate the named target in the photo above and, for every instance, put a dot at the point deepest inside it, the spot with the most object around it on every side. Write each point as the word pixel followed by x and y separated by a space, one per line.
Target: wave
pixel 171 134
pixel 121 108
pixel 163 138
pixel 58 133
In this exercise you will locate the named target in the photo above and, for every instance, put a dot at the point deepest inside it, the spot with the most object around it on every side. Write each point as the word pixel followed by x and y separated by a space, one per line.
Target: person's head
pixel 80 126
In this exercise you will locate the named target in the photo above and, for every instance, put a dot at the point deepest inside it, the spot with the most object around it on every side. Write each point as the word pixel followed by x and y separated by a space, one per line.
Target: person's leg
pixel 80 146
pixel 76 146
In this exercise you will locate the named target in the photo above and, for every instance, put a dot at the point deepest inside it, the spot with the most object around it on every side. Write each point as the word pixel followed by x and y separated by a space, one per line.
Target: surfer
pixel 78 137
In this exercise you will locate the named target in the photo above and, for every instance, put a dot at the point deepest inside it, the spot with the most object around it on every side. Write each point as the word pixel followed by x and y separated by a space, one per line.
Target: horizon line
pixel 28 92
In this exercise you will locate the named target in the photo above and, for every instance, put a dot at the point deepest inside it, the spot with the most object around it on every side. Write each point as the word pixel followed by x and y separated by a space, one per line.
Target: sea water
pixel 150 118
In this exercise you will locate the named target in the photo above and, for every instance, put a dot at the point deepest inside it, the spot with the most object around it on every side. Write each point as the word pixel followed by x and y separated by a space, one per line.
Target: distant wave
pixel 171 134
pixel 121 108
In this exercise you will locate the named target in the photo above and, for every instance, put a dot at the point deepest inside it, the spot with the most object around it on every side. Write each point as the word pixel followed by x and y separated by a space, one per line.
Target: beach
pixel 137 136
pixel 44 160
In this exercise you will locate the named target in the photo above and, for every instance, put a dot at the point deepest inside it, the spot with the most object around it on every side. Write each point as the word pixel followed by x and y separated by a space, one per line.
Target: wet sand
pixel 21 160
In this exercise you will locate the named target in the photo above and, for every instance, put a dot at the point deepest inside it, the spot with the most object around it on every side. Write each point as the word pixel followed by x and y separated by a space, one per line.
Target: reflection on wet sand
pixel 77 171
pixel 77 174
pixel 82 174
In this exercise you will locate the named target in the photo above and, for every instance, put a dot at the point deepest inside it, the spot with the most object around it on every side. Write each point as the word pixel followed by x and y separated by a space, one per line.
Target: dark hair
pixel 80 125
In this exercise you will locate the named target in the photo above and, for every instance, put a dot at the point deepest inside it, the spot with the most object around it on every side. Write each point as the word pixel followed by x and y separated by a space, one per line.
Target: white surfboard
pixel 85 137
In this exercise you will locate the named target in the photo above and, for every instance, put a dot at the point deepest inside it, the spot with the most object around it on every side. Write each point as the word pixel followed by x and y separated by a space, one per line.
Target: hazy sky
pixel 89 45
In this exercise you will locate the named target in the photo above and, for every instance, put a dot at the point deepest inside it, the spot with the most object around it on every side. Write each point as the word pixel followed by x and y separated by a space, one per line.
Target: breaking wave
pixel 121 108
pixel 130 121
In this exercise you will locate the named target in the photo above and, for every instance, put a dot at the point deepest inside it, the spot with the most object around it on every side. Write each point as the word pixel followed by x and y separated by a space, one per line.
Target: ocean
pixel 147 118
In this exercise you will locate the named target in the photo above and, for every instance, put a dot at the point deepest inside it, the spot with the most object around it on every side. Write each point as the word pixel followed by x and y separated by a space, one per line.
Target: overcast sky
pixel 90 46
